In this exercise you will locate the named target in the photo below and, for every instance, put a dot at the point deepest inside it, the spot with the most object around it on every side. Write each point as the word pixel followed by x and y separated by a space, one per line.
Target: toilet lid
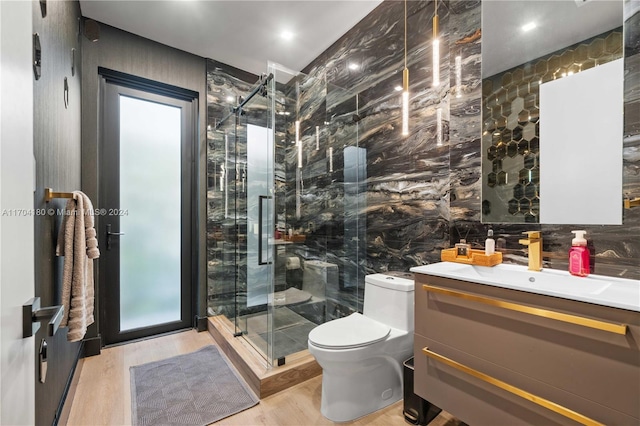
pixel 348 332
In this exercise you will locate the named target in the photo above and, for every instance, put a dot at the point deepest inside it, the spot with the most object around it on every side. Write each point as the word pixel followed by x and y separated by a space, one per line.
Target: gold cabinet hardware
pixel 50 195
pixel 550 405
pixel 558 316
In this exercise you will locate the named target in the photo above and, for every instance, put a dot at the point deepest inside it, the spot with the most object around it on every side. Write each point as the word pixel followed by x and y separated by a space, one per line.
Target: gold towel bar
pixel 558 316
pixel 50 195
pixel 514 390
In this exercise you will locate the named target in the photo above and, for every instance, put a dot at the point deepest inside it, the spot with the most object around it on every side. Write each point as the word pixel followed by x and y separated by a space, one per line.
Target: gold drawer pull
pixel 514 390
pixel 572 319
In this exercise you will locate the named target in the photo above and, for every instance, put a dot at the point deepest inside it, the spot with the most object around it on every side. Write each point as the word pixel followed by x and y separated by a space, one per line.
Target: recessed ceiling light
pixel 230 98
pixel 286 35
pixel 398 88
pixel 353 66
pixel 529 26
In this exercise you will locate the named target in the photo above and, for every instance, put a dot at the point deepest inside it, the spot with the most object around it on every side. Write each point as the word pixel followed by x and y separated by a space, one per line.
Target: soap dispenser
pixel 489 244
pixel 579 255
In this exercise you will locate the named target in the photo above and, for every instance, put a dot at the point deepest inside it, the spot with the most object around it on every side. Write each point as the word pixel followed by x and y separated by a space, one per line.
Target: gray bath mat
pixel 193 389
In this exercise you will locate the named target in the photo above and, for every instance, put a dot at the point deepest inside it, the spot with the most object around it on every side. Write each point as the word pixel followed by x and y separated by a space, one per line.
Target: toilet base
pixel 379 385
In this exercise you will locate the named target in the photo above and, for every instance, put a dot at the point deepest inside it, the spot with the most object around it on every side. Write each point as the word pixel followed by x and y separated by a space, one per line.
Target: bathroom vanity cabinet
pixel 492 355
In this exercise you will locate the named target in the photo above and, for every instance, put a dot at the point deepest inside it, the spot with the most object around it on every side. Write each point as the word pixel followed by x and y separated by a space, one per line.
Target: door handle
pixel 111 234
pixel 261 245
pixel 33 314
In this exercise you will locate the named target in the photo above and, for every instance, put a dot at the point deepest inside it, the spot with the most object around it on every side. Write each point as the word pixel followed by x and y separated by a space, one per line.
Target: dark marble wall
pixel 419 196
pixel 405 205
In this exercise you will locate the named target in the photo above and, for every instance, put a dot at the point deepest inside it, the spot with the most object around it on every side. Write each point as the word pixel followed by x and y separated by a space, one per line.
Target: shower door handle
pixel 263 249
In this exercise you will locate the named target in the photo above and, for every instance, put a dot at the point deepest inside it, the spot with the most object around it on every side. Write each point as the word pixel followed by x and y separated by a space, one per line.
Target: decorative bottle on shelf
pixel 489 243
pixel 463 249
pixel 579 255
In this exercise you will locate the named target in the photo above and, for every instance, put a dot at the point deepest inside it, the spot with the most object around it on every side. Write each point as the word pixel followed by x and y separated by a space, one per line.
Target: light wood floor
pixel 103 395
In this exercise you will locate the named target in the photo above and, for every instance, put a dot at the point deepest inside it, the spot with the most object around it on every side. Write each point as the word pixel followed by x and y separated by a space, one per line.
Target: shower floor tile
pixel 282 317
pixel 300 333
pixel 290 340
pixel 290 335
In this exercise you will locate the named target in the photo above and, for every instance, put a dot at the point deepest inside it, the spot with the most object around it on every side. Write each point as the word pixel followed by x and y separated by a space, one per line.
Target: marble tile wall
pixel 419 197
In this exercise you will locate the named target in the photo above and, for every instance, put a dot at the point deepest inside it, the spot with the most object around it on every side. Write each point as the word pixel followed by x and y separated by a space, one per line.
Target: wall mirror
pixel 538 59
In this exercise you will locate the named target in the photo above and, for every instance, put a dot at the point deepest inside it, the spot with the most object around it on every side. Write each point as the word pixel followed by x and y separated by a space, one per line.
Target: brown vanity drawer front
pixel 479 402
pixel 597 365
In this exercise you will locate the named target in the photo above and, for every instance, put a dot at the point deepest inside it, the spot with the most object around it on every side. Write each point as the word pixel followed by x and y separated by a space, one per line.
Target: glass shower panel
pixel 295 207
pixel 317 202
pixel 221 221
pixel 254 201
pixel 348 167
pixel 150 139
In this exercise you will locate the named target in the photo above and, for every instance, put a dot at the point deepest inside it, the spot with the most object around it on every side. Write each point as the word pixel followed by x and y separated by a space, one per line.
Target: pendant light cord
pixel 405 33
pixel 435 20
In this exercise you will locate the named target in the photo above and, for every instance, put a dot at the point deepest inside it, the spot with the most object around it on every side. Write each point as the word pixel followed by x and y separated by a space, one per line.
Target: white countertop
pixel 597 289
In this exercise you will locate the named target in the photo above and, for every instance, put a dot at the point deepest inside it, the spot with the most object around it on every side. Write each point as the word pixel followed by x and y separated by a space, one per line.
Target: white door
pixel 17 354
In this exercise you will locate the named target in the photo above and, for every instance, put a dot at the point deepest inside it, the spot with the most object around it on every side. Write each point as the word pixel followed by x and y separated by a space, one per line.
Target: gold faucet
pixel 534 241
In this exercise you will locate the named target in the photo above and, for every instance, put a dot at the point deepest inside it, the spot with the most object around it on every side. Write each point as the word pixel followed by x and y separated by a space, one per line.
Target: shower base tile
pixel 290 340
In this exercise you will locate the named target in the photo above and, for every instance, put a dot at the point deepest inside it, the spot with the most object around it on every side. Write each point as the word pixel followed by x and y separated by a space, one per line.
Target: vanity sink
pixel 602 290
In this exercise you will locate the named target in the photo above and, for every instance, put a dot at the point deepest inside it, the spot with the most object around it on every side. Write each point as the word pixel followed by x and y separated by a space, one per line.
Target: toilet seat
pixel 353 331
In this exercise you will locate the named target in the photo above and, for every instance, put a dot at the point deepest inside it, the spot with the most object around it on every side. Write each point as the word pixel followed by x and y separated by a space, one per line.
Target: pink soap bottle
pixel 579 255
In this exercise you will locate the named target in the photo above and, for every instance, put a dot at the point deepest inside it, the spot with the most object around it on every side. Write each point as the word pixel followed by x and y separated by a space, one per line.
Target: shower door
pixel 241 222
pixel 286 194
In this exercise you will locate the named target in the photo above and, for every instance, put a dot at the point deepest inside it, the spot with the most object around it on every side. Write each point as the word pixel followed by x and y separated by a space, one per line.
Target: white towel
pixel 78 244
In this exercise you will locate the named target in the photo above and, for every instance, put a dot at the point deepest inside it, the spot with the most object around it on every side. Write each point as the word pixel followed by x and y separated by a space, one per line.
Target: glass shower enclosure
pixel 285 185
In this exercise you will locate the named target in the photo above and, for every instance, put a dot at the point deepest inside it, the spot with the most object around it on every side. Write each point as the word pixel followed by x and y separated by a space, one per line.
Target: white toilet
pixel 361 355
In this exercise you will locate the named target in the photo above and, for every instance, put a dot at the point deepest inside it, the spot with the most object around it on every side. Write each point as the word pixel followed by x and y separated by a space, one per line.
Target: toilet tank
pixel 388 298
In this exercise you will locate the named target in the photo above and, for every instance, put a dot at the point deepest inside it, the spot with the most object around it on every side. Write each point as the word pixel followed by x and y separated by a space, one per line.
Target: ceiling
pixel 560 23
pixel 247 34
pixel 244 34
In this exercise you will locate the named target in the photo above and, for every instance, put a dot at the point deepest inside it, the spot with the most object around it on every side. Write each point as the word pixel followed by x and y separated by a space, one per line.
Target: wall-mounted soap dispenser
pixel 579 255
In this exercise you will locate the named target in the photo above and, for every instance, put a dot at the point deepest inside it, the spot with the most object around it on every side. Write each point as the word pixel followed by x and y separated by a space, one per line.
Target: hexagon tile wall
pixel 511 119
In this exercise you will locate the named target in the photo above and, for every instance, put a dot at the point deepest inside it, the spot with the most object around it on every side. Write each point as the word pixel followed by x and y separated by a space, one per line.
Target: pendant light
pixel 405 81
pixel 298 144
pixel 436 48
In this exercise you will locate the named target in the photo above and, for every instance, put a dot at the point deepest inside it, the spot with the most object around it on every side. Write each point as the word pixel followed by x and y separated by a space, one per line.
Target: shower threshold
pixel 263 379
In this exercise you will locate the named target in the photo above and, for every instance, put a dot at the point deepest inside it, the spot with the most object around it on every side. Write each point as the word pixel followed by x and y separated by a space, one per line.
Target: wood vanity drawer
pixel 479 402
pixel 597 365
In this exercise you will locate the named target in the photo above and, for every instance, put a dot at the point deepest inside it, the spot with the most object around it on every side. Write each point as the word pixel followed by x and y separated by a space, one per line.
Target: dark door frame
pixel 112 84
